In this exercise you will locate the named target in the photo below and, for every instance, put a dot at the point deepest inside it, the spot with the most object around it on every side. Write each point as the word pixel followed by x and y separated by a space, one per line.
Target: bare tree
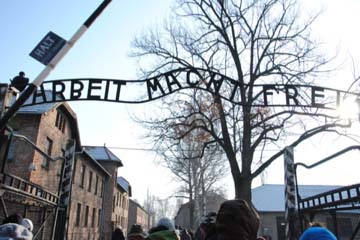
pixel 197 170
pixel 251 42
pixel 149 206
pixel 157 208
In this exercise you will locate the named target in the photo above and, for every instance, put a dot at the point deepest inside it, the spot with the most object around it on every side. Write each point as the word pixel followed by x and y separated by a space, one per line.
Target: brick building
pixel 138 215
pixel 116 200
pixel 50 127
pixel 121 204
pixel 86 202
pixel 213 202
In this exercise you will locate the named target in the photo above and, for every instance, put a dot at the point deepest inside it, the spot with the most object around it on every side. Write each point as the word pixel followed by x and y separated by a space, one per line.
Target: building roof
pixel 271 197
pixel 39 108
pixel 95 162
pixel 103 154
pixel 137 205
pixel 124 184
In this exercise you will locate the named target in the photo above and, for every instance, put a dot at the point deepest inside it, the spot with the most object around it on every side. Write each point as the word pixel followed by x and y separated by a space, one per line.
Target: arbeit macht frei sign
pixel 140 91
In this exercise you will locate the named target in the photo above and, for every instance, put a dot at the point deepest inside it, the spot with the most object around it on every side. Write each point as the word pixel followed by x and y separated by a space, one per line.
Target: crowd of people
pixel 235 220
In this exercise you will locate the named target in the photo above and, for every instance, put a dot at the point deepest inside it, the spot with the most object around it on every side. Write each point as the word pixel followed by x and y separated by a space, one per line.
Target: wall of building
pixel 213 202
pixel 21 154
pixel 268 224
pixel 86 193
pixel 39 129
pixel 49 176
pixel 109 198
pixel 120 209
pixel 142 218
pixel 138 215
pixel 182 218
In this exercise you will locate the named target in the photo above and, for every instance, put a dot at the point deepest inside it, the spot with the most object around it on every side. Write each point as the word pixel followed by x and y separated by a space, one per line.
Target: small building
pixel 112 193
pixel 138 215
pixel 87 198
pixel 213 202
pixel 121 204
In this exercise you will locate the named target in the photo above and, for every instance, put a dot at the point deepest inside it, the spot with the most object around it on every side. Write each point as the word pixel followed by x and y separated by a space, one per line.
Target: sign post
pixel 47 48
pixel 50 51
pixel 290 233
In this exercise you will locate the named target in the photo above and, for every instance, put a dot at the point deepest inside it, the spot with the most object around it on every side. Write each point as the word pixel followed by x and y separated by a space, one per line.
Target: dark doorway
pixel 280 226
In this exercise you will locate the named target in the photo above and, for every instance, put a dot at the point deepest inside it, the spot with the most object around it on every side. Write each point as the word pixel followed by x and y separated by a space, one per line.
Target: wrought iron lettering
pixel 265 95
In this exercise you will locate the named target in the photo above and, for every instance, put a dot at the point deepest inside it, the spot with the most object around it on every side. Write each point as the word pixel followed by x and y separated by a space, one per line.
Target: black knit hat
pixel 136 230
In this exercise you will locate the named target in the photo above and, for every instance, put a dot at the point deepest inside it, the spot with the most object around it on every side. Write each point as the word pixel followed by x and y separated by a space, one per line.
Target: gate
pixel 345 198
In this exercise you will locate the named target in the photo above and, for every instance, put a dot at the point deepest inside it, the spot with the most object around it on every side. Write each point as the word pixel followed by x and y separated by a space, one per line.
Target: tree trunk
pixel 243 188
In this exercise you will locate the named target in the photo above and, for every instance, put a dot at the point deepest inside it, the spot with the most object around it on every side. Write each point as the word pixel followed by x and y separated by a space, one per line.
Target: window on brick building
pixel 99 217
pixel 102 188
pixel 60 121
pixel 124 202
pixel 90 180
pixel 96 184
pixel 93 217
pixel 117 199
pixel 47 149
pixel 82 175
pixel 86 216
pixel 78 212
pixel 114 203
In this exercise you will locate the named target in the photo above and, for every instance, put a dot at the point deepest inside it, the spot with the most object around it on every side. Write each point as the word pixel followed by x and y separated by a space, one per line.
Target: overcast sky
pixel 103 52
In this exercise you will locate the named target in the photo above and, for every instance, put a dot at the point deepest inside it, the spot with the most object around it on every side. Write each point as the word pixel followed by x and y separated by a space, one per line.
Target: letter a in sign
pixel 48 47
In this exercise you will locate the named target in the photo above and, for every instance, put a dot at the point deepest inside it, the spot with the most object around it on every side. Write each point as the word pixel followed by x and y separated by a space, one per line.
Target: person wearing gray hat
pixel 14 231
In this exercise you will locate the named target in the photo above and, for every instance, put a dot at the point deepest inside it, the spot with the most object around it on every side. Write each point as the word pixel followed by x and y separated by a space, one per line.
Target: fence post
pixel 290 229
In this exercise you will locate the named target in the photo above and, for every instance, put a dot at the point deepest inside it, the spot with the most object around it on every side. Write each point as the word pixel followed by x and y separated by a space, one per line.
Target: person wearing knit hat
pixel 14 231
pixel 166 222
pixel 164 230
pixel 236 219
pixel 136 233
pixel 27 223
pixel 317 233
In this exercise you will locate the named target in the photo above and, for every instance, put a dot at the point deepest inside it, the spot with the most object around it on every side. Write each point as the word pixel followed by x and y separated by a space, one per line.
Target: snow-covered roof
pixel 39 108
pixel 124 184
pixel 103 154
pixel 271 197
